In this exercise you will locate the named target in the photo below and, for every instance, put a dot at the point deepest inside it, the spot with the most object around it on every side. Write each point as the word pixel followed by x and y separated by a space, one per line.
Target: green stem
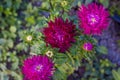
pixel 70 58
pixel 51 5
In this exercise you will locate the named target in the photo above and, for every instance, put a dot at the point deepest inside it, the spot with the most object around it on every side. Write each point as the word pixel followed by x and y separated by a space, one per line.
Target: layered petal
pixel 37 68
pixel 60 34
pixel 93 19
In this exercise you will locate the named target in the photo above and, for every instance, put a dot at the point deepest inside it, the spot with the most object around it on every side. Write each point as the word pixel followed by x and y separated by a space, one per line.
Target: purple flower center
pixel 93 19
pixel 59 36
pixel 88 46
pixel 38 68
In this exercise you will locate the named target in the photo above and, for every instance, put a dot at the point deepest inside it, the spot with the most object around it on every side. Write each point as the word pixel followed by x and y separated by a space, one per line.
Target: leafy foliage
pixel 98 69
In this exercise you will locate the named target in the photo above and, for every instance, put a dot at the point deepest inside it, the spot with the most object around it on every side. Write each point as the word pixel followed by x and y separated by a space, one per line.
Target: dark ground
pixel 110 39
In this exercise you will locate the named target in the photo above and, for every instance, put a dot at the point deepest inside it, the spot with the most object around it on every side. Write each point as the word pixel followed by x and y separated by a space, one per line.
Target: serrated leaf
pixel 15 65
pixel 60 55
pixel 66 69
pixel 30 20
pixel 105 2
pixel 102 49
pixel 116 75
pixel 59 75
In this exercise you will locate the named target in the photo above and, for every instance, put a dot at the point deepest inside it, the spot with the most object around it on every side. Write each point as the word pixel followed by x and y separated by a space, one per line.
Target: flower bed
pixel 46 40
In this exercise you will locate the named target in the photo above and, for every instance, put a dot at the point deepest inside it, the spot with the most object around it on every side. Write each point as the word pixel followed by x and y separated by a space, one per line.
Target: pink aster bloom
pixel 60 34
pixel 93 19
pixel 87 46
pixel 37 68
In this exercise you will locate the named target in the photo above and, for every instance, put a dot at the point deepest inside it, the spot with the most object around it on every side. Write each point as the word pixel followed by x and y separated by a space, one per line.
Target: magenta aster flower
pixel 38 68
pixel 93 18
pixel 60 34
pixel 87 46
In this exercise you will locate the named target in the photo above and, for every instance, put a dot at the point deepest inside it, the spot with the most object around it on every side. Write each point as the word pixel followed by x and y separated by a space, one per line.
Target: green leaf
pixel 105 2
pixel 7 12
pixel 16 76
pixel 3 67
pixel 102 49
pixel 60 58
pixel 58 75
pixel 1 76
pixel 10 43
pixel 76 2
pixel 45 4
pixel 1 8
pixel 116 75
pixel 13 29
pixel 2 41
pixel 119 70
pixel 20 46
pixel 6 77
pixel 60 55
pixel 9 3
pixel 66 69
pixel 15 65
pixel 88 1
pixel 30 20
